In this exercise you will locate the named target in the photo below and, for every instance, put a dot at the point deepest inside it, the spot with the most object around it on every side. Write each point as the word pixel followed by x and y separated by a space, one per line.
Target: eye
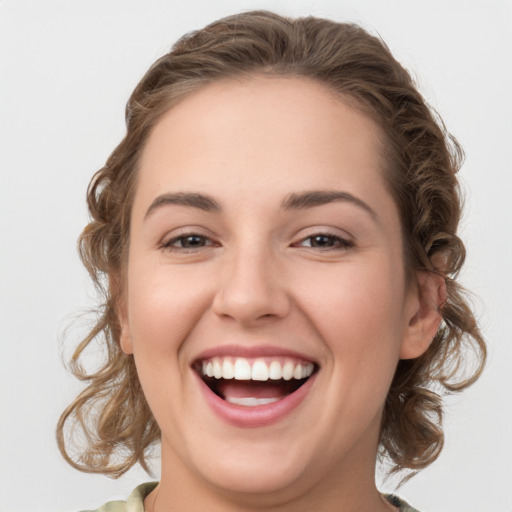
pixel 325 241
pixel 188 242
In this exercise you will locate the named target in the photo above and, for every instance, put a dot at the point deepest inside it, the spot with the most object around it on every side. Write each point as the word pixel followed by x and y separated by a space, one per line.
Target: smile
pixel 254 391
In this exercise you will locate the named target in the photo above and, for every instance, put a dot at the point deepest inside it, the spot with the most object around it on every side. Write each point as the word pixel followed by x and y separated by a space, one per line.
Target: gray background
pixel 66 70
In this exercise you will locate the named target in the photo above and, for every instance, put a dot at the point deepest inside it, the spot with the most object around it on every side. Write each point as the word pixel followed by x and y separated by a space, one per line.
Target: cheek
pixel 163 307
pixel 358 311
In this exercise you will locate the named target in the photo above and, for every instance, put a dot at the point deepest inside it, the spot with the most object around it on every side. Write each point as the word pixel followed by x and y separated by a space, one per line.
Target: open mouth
pixel 254 382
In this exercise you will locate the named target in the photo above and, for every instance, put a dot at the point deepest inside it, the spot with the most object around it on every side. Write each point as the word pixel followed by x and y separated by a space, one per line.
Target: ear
pixel 125 338
pixel 424 313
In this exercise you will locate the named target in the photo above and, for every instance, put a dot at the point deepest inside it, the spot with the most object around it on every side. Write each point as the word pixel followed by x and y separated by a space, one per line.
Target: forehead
pixel 266 135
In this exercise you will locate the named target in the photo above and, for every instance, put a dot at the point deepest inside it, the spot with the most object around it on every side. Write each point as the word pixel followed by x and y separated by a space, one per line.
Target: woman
pixel 277 232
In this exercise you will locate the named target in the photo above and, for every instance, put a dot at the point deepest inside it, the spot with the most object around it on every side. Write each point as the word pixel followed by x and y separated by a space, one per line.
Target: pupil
pixel 193 241
pixel 322 241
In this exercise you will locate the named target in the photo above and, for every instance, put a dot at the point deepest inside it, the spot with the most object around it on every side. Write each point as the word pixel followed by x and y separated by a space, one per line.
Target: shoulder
pixel 401 504
pixel 134 502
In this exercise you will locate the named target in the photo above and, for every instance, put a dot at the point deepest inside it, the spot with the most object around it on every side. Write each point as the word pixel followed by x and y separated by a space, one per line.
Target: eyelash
pixel 338 243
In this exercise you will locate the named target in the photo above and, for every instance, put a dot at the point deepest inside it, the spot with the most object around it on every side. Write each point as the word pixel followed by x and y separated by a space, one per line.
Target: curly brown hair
pixel 422 162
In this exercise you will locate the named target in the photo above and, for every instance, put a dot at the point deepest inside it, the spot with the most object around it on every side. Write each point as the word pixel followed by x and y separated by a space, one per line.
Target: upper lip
pixel 252 352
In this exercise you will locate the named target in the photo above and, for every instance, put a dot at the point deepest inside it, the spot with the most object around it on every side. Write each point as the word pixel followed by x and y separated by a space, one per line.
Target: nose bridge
pixel 250 287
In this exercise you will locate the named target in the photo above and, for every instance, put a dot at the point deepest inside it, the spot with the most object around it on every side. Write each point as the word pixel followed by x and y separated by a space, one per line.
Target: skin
pixel 256 278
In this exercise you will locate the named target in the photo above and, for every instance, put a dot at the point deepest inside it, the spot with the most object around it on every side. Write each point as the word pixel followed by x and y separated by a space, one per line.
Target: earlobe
pixel 425 315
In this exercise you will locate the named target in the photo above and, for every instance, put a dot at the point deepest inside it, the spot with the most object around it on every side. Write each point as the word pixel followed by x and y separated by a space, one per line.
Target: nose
pixel 251 288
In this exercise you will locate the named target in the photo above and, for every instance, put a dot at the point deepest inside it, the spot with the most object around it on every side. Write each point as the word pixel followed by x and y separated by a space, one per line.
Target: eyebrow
pixel 194 200
pixel 294 201
pixel 310 199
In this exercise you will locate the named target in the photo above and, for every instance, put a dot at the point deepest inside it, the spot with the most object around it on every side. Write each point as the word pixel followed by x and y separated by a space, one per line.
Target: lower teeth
pixel 250 401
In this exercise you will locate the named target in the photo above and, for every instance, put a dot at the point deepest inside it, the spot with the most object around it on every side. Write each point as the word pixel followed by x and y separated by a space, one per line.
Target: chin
pixel 255 476
pixel 260 464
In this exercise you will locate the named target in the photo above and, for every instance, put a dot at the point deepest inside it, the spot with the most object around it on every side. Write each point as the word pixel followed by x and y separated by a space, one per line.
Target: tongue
pixel 244 389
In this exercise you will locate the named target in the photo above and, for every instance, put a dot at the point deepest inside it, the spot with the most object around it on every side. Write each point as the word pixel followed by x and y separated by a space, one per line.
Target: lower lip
pixel 260 415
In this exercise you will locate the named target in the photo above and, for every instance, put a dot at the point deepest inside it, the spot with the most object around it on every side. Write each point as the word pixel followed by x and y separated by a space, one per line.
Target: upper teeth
pixel 258 369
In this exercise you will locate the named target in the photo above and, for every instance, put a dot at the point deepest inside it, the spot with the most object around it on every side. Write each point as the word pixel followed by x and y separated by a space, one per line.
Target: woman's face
pixel 266 250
